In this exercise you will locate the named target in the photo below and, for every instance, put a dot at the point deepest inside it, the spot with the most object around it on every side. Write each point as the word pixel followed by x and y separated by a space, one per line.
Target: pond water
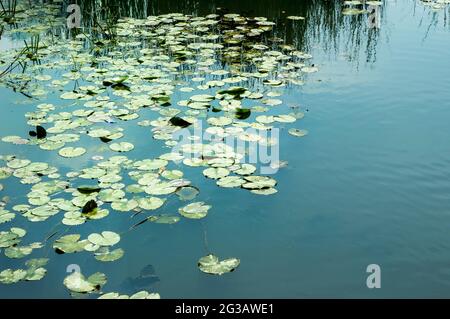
pixel 368 184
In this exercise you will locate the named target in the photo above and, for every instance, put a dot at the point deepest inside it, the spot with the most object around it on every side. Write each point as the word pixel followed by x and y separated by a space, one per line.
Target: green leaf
pixel 195 210
pixel 210 264
pixel 106 238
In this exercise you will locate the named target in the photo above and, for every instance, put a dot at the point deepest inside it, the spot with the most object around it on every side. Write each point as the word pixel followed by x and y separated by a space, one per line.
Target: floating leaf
pixel 71 151
pixel 259 182
pixel 17 163
pixel 124 205
pixel 246 169
pixel 150 203
pixel 9 276
pixel 139 295
pixel 163 219
pixel 187 193
pixel 265 191
pixel 11 237
pixel 76 282
pixel 107 238
pixel 195 210
pixel 6 216
pixel 210 264
pixel 121 147
pixel 216 172
pixel 104 254
pixel 69 244
pixel 297 132
pixel 230 181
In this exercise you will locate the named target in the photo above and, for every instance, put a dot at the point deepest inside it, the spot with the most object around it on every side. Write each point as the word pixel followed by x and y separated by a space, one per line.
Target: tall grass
pixel 8 10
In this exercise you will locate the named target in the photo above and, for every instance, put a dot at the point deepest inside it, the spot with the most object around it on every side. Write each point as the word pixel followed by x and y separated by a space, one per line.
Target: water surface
pixel 369 184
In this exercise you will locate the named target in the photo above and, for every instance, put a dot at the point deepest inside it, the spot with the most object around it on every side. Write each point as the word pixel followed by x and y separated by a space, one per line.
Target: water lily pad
pixel 150 203
pixel 230 181
pixel 265 191
pixel 162 188
pixel 259 182
pixel 76 282
pixel 18 163
pixel 121 147
pixel 246 169
pixel 172 174
pixel 69 244
pixel 216 172
pixel 5 172
pixel 106 238
pixel 124 205
pixel 139 295
pixel 163 219
pixel 71 151
pixel 21 251
pixel 187 193
pixel 211 264
pixel 298 133
pixel 219 121
pixel 195 210
pixel 11 237
pixel 104 254
pixel 6 216
pixel 9 276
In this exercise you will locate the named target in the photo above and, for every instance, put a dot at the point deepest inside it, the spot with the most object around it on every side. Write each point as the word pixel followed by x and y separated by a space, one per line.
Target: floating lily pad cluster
pixel 34 271
pixel 226 73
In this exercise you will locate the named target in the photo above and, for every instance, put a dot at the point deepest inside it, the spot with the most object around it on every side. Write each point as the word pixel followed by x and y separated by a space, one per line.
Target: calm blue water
pixel 369 184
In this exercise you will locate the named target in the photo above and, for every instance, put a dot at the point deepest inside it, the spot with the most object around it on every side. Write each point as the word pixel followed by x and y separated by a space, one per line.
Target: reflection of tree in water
pixel 324 24
pixel 436 17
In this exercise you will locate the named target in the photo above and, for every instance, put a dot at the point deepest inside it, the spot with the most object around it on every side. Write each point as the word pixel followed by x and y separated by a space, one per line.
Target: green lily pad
pixel 246 169
pixel 259 182
pixel 195 210
pixel 6 216
pixel 210 264
pixel 69 244
pixel 150 203
pixel 124 205
pixel 265 191
pixel 11 237
pixel 76 282
pixel 230 181
pixel 104 254
pixel 163 219
pixel 106 238
pixel 18 163
pixel 5 172
pixel 172 174
pixel 187 193
pixel 121 147
pixel 21 251
pixel 298 133
pixel 216 172
pixel 9 276
pixel 139 295
pixel 71 151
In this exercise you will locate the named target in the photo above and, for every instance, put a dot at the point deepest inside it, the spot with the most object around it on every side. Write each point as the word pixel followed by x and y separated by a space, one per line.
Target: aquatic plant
pixel 229 74
pixel 8 10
